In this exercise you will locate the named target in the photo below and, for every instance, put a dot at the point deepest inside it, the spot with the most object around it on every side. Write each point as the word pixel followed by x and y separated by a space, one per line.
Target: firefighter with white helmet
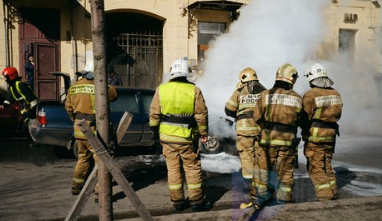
pixel 240 106
pixel 278 113
pixel 80 104
pixel 178 116
pixel 21 92
pixel 322 108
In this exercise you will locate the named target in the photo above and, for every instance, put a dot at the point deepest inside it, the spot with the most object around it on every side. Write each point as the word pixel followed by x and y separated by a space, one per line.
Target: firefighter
pixel 178 116
pixel 80 104
pixel 322 107
pixel 240 106
pixel 278 113
pixel 22 93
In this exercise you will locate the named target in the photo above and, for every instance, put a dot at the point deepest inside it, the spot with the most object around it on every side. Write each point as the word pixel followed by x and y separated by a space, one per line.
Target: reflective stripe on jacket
pixel 23 94
pixel 177 105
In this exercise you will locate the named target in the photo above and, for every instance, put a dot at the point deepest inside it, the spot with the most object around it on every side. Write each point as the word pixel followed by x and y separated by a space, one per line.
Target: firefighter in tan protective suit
pixel 178 114
pixel 80 104
pixel 322 107
pixel 278 113
pixel 240 106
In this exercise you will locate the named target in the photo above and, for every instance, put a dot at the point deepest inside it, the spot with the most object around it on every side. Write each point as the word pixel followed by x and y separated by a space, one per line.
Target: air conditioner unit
pixel 376 3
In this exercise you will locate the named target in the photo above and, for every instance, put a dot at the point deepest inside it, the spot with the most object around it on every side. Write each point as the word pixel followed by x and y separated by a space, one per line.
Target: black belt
pixel 178 120
pixel 245 116
pixel 321 124
pixel 280 127
pixel 89 117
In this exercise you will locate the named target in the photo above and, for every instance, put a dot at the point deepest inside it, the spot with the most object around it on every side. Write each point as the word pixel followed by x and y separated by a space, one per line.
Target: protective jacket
pixel 322 109
pixel 240 106
pixel 22 93
pixel 80 103
pixel 278 111
pixel 179 109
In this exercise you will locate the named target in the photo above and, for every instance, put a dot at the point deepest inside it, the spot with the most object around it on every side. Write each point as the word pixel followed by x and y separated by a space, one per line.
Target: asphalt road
pixel 35 184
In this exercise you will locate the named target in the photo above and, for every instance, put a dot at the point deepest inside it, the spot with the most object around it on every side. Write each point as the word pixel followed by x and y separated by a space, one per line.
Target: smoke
pixel 270 33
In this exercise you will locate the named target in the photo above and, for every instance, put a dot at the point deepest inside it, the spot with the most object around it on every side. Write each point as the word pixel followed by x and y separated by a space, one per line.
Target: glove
pixel 154 132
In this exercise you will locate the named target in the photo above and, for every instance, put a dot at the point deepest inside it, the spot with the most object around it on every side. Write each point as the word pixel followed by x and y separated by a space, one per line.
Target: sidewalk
pixel 40 191
pixel 358 209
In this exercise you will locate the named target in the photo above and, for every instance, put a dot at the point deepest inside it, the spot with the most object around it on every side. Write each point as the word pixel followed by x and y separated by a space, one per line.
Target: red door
pixel 47 85
pixel 39 36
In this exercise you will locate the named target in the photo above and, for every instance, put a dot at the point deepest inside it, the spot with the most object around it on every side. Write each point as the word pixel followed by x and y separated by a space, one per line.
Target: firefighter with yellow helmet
pixel 278 113
pixel 80 104
pixel 240 106
pixel 178 115
pixel 322 108
pixel 21 92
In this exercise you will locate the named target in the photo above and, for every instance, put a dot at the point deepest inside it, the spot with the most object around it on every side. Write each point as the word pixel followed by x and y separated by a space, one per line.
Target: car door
pixel 145 98
pixel 128 101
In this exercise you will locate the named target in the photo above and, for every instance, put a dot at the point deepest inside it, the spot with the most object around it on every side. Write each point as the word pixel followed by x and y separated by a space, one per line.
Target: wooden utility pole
pixel 102 110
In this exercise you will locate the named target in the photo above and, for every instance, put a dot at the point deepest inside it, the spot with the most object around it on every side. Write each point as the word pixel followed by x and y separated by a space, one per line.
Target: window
pixel 208 31
pixel 125 102
pixel 346 43
pixel 146 101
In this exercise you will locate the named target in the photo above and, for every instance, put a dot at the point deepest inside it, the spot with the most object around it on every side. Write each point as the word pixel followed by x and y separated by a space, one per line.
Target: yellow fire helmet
pixel 287 73
pixel 248 74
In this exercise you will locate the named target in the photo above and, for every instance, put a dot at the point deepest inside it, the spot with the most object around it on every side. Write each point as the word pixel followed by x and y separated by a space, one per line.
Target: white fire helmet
pixel 287 73
pixel 180 68
pixel 316 71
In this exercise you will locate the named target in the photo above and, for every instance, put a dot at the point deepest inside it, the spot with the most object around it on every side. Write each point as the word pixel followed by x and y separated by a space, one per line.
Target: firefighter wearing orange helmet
pixel 322 108
pixel 240 106
pixel 21 92
pixel 178 116
pixel 80 104
pixel 278 113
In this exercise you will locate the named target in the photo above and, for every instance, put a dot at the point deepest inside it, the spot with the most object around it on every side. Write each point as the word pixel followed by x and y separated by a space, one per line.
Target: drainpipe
pixel 72 41
pixel 6 48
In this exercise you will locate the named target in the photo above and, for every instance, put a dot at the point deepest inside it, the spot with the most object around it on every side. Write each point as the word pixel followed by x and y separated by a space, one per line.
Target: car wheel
pixel 212 146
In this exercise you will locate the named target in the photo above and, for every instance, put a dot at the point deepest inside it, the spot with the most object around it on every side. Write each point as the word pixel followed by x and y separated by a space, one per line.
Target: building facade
pixel 144 37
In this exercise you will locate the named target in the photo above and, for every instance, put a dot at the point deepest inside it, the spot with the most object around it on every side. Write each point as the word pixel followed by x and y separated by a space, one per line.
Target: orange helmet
pixel 10 73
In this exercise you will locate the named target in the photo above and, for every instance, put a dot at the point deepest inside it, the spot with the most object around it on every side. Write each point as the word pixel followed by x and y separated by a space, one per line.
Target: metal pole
pixel 6 34
pixel 102 111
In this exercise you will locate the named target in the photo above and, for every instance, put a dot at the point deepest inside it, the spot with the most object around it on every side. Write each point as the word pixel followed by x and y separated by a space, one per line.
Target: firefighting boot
pixel 181 205
pixel 204 206
pixel 259 202
pixel 75 191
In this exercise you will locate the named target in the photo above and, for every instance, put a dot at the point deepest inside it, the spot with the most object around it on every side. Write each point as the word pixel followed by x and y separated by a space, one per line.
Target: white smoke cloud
pixel 270 33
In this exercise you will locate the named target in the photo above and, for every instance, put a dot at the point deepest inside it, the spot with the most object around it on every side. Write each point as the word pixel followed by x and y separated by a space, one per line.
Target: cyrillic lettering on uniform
pixel 249 98
pixel 82 89
pixel 325 101
pixel 283 99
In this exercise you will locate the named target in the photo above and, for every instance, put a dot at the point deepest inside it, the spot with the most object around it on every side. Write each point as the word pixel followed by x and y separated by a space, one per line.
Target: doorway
pixel 39 36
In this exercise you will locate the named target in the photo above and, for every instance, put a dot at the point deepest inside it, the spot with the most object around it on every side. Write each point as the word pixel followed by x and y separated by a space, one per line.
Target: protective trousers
pixel 284 158
pixel 246 149
pixel 179 158
pixel 319 165
pixel 84 165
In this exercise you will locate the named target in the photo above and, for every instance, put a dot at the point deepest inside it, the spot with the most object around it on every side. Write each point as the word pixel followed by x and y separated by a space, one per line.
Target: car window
pixel 146 101
pixel 125 102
